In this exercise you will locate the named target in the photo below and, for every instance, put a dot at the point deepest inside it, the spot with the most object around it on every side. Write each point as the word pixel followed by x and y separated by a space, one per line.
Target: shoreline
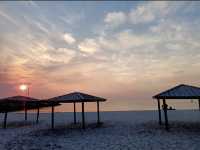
pixel 41 111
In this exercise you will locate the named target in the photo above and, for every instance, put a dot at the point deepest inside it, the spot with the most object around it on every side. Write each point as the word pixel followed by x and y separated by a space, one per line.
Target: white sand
pixel 121 130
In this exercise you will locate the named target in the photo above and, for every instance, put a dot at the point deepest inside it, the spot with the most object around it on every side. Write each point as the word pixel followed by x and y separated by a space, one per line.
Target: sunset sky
pixel 123 51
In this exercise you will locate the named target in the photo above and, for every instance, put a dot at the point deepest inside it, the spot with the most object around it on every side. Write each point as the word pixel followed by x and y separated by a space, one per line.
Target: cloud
pixel 149 12
pixel 127 39
pixel 69 38
pixel 52 59
pixel 64 55
pixel 124 41
pixel 143 13
pixel 170 29
pixel 115 18
pixel 88 46
pixel 147 55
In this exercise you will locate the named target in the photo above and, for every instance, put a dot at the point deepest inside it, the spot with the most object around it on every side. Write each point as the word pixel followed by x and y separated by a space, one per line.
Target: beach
pixel 120 130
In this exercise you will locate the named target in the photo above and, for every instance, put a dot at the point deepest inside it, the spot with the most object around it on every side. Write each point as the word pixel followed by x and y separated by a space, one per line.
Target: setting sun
pixel 23 87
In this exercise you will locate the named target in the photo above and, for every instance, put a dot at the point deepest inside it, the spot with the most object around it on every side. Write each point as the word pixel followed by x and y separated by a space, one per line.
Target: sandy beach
pixel 120 130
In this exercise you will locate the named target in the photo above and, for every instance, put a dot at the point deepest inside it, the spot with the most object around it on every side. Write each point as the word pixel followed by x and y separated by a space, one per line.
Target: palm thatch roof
pixel 181 91
pixel 76 97
pixel 16 103
pixel 19 99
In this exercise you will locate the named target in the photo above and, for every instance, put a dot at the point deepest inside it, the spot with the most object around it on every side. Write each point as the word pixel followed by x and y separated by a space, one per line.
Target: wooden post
pixel 74 113
pixel 159 112
pixel 199 104
pixel 38 113
pixel 5 120
pixel 52 116
pixel 166 117
pixel 25 112
pixel 98 116
pixel 83 116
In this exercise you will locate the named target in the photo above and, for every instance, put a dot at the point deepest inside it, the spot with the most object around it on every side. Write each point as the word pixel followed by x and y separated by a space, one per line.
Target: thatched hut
pixel 180 92
pixel 76 97
pixel 17 103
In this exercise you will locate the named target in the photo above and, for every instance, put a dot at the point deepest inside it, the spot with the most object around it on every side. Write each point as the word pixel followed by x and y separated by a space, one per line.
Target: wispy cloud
pixel 7 17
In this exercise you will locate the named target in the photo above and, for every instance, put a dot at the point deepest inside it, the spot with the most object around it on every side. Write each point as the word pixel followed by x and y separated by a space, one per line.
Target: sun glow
pixel 23 87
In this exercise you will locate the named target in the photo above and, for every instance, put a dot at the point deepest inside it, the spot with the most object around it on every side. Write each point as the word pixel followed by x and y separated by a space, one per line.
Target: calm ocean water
pixel 125 105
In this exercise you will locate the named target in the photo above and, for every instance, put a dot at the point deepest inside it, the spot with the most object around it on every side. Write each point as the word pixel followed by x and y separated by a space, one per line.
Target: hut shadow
pixel 180 126
pixel 71 128
pixel 18 124
pixel 175 127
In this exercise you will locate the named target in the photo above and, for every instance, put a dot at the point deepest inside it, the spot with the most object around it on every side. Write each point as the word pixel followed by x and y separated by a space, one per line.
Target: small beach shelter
pixel 76 97
pixel 14 100
pixel 181 92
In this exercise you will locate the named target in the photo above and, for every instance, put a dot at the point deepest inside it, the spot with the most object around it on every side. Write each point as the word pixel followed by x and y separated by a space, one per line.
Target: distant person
pixel 166 106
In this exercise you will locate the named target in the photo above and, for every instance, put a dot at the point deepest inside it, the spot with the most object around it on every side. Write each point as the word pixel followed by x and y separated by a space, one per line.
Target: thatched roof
pixel 76 97
pixel 16 103
pixel 181 91
pixel 19 99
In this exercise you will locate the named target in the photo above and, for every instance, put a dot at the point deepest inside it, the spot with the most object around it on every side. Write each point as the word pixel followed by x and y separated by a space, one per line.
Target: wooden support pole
pixel 38 113
pixel 52 116
pixel 74 113
pixel 159 112
pixel 98 116
pixel 25 112
pixel 166 117
pixel 5 120
pixel 83 116
pixel 199 104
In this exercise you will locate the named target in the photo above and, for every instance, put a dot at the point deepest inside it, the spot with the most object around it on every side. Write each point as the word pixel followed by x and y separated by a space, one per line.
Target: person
pixel 163 106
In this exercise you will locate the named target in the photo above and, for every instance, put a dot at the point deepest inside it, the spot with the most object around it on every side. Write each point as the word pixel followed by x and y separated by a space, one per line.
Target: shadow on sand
pixel 175 127
pixel 66 129
pixel 18 124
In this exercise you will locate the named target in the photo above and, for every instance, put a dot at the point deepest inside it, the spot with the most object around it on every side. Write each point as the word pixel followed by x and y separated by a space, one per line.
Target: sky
pixel 123 51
